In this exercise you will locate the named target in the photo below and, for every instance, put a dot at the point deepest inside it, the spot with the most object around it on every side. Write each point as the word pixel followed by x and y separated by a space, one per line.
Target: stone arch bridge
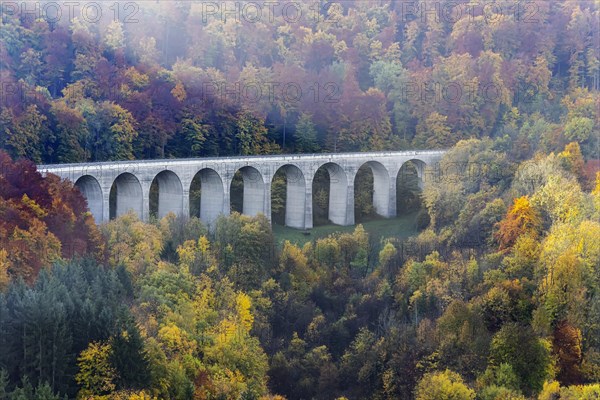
pixel 131 181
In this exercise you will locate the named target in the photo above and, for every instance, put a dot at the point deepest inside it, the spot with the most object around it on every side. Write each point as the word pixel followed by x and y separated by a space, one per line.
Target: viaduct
pixel 130 182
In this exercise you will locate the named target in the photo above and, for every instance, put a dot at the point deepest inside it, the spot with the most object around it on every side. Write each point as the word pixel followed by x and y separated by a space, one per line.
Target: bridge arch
pixel 419 166
pixel 339 211
pixel 253 192
pixel 380 186
pixel 92 191
pixel 206 195
pixel 126 195
pixel 166 194
pixel 294 195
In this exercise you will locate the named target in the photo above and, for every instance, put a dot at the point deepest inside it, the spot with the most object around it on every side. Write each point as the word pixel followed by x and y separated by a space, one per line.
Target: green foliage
pixel 114 37
pixel 114 129
pixel 278 197
pixel 463 339
pixel 408 190
pixel 295 272
pixel 22 136
pixel 127 355
pixel 306 135
pixel 434 132
pixel 177 230
pixel 499 379
pixel 194 135
pixel 500 393
pixel 569 266
pixel 470 167
pixel 245 248
pixel 3 384
pixel 46 326
pixel 579 128
pixel 250 134
pixel 528 355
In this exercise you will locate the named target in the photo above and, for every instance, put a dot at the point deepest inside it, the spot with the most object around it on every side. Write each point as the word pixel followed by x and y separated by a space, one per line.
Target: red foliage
pixel 590 169
pixel 37 213
pixel 567 347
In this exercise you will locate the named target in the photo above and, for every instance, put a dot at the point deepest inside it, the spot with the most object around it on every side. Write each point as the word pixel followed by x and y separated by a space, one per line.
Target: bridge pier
pixel 308 216
pixel 392 212
pixel 185 208
pixel 295 206
pixel 341 196
pixel 267 200
pixel 349 219
pixel 145 216
pixel 226 206
pixel 106 204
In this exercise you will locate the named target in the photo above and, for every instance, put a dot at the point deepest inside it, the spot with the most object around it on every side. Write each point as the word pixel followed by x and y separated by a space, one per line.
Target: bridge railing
pixel 303 156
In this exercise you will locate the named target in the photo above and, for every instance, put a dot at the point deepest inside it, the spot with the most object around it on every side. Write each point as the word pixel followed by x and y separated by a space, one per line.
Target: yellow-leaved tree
pixel 197 255
pixel 293 268
pixel 96 374
pixel 4 278
pixel 132 243
pixel 560 200
pixel 572 159
pixel 446 385
pixel 238 365
pixel 596 198
pixel 568 265
pixel 243 305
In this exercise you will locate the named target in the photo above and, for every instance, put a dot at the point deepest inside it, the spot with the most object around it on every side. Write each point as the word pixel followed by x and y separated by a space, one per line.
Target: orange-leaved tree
pixel 521 218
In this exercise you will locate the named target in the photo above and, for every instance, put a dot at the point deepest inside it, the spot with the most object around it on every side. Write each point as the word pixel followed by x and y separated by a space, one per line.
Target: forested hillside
pixel 158 79
pixel 496 296
pixel 499 297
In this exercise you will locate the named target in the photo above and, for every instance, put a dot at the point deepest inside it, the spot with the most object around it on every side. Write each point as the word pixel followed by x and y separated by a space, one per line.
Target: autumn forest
pixel 492 292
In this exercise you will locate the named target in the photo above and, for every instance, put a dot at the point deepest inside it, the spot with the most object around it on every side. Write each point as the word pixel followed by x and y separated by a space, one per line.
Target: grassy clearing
pixel 403 226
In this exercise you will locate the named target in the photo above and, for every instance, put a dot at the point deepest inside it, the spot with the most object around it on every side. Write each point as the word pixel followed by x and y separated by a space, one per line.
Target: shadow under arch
pixel 248 183
pixel 378 190
pixel 166 194
pixel 420 167
pixel 293 198
pixel 92 191
pixel 206 195
pixel 409 185
pixel 126 195
pixel 330 192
